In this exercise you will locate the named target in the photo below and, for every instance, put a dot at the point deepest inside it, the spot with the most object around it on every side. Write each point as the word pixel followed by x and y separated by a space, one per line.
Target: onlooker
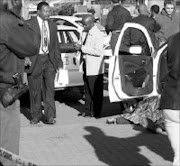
pixel 169 20
pixel 42 67
pixel 171 95
pixel 154 11
pixel 17 40
pixel 115 21
pixel 92 49
pixel 136 37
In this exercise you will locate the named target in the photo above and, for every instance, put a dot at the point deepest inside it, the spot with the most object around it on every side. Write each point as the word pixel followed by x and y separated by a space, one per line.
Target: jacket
pixel 54 50
pixel 151 26
pixel 17 40
pixel 116 18
pixel 170 98
pixel 169 25
pixel 93 52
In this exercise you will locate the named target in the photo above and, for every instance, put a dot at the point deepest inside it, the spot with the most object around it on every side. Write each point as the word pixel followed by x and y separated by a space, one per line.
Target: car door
pixel 132 72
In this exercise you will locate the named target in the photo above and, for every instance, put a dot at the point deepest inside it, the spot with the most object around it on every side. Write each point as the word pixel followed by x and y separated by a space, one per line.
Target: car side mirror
pixel 135 49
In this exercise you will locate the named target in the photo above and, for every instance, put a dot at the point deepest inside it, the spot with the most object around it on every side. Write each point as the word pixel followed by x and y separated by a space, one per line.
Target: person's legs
pixel 98 95
pixel 48 90
pixel 88 95
pixel 10 129
pixel 35 96
pixel 172 123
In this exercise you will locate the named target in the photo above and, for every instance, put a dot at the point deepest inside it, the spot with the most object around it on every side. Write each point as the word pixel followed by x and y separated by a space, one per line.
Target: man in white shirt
pixel 93 54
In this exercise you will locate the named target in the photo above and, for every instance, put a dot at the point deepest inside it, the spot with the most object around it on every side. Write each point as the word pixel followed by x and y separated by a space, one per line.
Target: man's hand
pixel 27 61
pixel 77 46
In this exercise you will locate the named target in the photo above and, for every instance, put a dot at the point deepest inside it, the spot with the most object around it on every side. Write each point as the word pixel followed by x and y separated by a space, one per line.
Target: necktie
pixel 44 38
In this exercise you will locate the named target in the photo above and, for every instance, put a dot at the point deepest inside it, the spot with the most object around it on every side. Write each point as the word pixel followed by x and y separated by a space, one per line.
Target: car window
pixel 134 36
pixel 59 36
pixel 68 36
pixel 60 21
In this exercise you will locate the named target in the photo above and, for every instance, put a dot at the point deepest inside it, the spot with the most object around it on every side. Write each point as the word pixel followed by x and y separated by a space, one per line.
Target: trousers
pixel 10 130
pixel 172 124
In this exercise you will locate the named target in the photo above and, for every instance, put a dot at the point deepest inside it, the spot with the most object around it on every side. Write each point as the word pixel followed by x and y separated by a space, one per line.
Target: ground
pixel 75 140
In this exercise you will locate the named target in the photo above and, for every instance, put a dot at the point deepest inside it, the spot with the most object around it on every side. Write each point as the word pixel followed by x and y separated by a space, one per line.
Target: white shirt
pixel 40 22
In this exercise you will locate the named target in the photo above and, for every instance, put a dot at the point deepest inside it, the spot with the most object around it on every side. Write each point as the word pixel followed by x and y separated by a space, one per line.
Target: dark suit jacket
pixel 17 40
pixel 116 18
pixel 170 98
pixel 151 26
pixel 54 50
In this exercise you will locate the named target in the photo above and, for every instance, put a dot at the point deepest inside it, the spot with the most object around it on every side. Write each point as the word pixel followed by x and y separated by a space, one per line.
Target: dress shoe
pixel 35 121
pixel 97 117
pixel 85 114
pixel 50 121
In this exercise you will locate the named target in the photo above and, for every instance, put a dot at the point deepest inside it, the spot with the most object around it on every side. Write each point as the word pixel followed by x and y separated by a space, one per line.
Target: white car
pixel 68 21
pixel 71 75
pixel 124 80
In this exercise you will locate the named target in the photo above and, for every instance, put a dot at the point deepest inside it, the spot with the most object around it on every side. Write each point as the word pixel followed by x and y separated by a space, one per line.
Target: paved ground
pixel 86 141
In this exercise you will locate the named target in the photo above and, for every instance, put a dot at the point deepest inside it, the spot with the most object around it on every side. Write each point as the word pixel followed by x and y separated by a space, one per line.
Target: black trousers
pixel 93 94
pixel 41 87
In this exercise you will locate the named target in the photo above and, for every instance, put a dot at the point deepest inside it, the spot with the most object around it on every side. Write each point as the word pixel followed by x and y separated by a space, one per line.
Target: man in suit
pixel 93 54
pixel 17 41
pixel 115 21
pixel 42 68
pixel 170 96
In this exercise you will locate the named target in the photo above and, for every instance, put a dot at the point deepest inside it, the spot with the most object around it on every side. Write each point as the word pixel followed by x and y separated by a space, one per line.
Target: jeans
pixel 172 119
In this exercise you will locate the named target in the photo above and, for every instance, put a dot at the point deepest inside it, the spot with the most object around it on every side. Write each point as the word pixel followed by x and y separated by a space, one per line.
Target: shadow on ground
pixel 129 149
pixel 74 98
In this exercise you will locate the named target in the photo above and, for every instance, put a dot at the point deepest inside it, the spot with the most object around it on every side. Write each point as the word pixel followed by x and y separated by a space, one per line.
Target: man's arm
pixel 57 50
pixel 21 39
pixel 109 23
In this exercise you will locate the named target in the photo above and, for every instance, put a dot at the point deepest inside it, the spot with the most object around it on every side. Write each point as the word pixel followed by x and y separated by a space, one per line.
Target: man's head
pixel 88 22
pixel 143 9
pixel 169 6
pixel 154 10
pixel 43 10
pixel 11 5
pixel 115 1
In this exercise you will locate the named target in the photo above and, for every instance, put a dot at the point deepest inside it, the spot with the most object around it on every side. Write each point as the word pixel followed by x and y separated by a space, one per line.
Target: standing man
pixel 92 49
pixel 171 96
pixel 168 19
pixel 17 41
pixel 42 68
pixel 115 21
pixel 136 37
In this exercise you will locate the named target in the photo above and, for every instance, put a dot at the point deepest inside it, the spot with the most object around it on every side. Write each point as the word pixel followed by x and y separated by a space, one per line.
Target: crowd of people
pixel 32 46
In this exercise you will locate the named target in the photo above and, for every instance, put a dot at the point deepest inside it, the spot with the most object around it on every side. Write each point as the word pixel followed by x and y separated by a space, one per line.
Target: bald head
pixel 143 9
pixel 88 19
pixel 88 22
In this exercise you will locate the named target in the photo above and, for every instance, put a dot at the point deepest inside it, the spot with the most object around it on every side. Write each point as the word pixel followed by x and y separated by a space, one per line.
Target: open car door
pixel 133 73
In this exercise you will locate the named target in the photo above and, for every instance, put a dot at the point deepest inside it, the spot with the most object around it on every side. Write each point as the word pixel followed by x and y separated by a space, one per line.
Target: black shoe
pixel 85 114
pixel 97 117
pixel 50 121
pixel 35 121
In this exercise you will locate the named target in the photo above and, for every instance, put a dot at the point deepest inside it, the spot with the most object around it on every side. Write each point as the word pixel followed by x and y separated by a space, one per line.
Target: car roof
pixel 65 27
pixel 71 18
